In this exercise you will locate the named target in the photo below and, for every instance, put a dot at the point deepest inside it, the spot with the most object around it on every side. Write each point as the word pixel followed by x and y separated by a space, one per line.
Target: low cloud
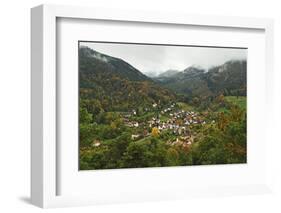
pixel 159 58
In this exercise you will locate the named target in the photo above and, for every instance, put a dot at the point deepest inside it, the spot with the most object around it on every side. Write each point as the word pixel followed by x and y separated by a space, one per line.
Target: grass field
pixel 240 101
pixel 185 106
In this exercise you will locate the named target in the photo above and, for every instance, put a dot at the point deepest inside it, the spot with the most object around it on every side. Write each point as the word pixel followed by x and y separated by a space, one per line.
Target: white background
pixel 15 106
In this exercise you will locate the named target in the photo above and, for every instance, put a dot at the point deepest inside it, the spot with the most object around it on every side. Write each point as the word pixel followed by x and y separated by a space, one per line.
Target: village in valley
pixel 171 119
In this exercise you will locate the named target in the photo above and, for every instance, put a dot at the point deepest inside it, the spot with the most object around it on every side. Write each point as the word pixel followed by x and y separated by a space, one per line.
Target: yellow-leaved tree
pixel 155 132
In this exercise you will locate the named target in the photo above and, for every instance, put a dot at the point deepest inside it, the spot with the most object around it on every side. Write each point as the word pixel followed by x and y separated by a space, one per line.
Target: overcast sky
pixel 158 58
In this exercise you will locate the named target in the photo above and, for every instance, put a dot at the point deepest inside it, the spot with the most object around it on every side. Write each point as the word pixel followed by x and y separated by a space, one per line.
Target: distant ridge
pixel 229 79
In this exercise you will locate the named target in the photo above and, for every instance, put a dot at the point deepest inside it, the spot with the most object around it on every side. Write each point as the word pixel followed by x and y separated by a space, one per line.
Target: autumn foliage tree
pixel 155 132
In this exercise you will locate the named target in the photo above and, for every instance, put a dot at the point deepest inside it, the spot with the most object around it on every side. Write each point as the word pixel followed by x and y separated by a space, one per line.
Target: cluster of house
pixel 131 123
pixel 192 118
pixel 128 122
pixel 178 121
pixel 168 109
pixel 169 124
pixel 188 118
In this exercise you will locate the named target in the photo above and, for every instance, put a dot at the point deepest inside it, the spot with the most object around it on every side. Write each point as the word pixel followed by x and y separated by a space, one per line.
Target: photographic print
pixel 151 105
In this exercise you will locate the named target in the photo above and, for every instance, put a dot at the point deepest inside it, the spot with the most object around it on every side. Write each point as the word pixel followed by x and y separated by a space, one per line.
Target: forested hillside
pixel 113 84
pixel 228 79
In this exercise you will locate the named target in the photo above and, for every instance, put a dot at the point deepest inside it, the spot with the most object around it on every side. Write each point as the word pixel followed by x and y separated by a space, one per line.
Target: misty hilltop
pixel 92 61
pixel 228 78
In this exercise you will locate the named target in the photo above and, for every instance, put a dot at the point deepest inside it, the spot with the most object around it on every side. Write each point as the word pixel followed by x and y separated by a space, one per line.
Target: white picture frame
pixel 44 155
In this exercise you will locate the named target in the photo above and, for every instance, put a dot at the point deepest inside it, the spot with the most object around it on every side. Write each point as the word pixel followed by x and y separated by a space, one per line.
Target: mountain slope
pixel 228 78
pixel 93 62
pixel 188 82
pixel 116 85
